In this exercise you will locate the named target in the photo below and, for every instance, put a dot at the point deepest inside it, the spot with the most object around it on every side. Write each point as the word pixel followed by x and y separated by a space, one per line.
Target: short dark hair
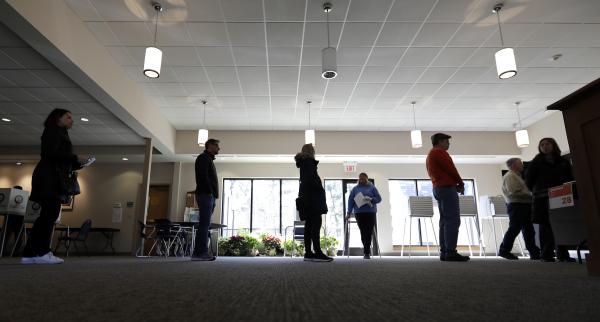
pixel 211 142
pixel 363 174
pixel 438 137
pixel 54 116
pixel 18 187
pixel 555 149
pixel 510 162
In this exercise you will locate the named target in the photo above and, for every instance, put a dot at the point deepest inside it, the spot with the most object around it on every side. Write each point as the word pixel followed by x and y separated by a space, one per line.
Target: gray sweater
pixel 514 188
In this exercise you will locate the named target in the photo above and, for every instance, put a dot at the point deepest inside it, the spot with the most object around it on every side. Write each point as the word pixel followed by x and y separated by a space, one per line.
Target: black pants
pixel 38 243
pixel 548 244
pixel 366 224
pixel 519 215
pixel 312 232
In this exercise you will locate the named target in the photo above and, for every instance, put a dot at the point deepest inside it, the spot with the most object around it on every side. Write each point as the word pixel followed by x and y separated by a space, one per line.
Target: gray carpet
pixel 283 289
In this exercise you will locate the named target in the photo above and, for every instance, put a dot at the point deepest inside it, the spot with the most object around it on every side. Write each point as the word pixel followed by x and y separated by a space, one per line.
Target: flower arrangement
pixel 330 245
pixel 246 244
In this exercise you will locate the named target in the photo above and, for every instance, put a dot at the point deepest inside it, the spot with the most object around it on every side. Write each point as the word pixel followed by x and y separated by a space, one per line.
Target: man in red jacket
pixel 447 184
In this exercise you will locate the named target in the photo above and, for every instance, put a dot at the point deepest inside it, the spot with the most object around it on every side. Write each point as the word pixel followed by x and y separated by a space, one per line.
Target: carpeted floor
pixel 284 289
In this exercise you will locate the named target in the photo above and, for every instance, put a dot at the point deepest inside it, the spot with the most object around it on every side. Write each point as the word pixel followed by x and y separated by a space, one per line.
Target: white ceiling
pixel 30 87
pixel 258 61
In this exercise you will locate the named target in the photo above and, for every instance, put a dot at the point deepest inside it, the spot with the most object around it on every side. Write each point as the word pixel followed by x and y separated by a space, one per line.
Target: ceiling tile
pixel 284 10
pixel 246 34
pixel 215 56
pixel 250 56
pixel 284 56
pixel 372 10
pixel 208 33
pixel 284 34
pixel 357 34
pixel 435 34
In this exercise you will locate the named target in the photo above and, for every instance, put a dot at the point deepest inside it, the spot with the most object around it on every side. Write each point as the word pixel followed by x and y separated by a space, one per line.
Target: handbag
pixel 68 182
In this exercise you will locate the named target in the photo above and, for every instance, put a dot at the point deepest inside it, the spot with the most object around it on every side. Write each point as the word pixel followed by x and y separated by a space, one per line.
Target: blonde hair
pixel 309 149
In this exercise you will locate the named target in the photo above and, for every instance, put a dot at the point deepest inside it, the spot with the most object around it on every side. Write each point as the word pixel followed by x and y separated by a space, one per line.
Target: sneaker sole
pixel 322 260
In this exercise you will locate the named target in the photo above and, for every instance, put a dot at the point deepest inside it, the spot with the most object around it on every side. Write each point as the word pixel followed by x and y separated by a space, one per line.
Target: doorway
pixel 158 202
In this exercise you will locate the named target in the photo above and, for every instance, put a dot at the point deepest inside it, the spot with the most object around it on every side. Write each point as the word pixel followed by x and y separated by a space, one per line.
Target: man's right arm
pixel 515 187
pixel 202 172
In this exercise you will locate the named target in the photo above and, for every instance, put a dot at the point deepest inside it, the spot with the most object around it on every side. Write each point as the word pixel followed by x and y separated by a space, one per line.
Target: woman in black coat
pixel 49 187
pixel 311 204
pixel 548 169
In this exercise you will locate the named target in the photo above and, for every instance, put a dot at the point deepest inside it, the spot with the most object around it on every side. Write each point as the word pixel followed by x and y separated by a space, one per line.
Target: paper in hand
pixel 359 199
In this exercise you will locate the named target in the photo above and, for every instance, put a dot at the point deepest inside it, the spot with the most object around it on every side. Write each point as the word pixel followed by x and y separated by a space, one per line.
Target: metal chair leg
pixel 426 236
pixel 434 235
pixel 468 229
pixel 495 238
pixel 403 236
pixel 409 237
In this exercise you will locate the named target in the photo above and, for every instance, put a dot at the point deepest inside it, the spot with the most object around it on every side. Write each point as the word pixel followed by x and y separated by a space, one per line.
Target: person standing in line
pixel 311 204
pixel 50 186
pixel 207 191
pixel 447 184
pixel 366 213
pixel 547 169
pixel 518 203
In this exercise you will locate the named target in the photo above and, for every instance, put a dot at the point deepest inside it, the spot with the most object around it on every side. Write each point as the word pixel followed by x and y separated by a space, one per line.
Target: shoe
pixel 567 260
pixel 47 258
pixel 309 257
pixel 367 256
pixel 548 259
pixel 203 258
pixel 508 255
pixel 456 257
pixel 27 260
pixel 320 257
pixel 443 258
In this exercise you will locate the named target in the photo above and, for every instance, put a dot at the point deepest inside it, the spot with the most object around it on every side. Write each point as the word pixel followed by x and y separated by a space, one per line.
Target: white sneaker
pixel 27 260
pixel 48 258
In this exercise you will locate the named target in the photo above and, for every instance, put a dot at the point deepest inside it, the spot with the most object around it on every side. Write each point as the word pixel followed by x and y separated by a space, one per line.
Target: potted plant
pixel 330 244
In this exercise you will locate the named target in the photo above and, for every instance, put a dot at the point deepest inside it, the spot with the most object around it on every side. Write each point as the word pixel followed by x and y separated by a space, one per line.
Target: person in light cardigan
pixel 366 212
pixel 518 202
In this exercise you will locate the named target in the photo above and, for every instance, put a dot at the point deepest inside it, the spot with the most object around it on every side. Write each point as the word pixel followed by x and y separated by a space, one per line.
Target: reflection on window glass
pixel 400 190
pixel 236 206
pixel 265 206
pixel 424 188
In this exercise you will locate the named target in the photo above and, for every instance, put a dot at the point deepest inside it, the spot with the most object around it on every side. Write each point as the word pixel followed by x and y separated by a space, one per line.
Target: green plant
pixel 295 247
pixel 271 245
pixel 330 244
pixel 253 244
pixel 237 246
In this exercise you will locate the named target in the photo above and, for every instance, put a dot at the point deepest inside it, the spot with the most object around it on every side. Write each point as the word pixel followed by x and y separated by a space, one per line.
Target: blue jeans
pixel 206 206
pixel 447 198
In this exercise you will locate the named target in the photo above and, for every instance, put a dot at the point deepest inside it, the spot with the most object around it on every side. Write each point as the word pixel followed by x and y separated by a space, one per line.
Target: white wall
pixel 551 126
pixel 488 181
pixel 102 185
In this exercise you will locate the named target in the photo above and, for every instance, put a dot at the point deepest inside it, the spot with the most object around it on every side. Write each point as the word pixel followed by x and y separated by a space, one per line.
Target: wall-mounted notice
pixel 117 213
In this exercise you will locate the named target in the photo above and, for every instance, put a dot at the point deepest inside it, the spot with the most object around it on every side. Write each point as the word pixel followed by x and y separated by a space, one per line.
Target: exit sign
pixel 350 166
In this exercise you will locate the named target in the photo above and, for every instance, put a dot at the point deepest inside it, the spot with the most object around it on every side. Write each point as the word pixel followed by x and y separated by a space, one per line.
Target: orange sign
pixel 561 196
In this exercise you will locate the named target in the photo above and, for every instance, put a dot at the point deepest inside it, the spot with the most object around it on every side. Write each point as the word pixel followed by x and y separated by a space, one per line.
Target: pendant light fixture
pixel 153 58
pixel 309 134
pixel 328 54
pixel 203 132
pixel 521 135
pixel 506 64
pixel 415 135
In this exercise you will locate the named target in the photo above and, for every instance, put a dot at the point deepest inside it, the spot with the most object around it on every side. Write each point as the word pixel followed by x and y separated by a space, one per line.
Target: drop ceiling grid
pixel 306 29
pixel 30 87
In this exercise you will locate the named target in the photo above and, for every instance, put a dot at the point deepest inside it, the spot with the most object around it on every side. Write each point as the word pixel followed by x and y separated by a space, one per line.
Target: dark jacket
pixel 56 157
pixel 311 195
pixel 207 181
pixel 542 174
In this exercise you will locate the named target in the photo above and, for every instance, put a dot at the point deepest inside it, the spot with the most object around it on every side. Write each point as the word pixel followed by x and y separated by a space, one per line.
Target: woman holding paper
pixel 363 201
pixel 52 184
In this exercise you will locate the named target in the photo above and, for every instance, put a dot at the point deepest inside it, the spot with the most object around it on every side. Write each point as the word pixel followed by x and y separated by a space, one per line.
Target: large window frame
pixel 470 184
pixel 252 180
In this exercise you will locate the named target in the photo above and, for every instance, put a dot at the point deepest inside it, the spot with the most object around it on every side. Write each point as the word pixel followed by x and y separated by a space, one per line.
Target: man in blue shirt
pixel 363 201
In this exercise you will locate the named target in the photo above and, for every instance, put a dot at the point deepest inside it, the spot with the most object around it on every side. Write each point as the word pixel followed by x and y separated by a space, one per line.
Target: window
pixel 400 190
pixel 258 205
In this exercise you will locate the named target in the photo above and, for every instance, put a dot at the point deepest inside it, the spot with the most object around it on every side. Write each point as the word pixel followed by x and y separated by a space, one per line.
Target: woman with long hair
pixel 50 186
pixel 548 169
pixel 311 204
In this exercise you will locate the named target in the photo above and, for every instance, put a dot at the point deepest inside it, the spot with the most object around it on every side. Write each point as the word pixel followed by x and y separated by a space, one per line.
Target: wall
pixel 101 185
pixel 551 126
pixel 487 177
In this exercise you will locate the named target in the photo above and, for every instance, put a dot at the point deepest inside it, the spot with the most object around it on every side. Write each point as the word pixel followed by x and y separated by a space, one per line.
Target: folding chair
pixel 468 211
pixel 500 211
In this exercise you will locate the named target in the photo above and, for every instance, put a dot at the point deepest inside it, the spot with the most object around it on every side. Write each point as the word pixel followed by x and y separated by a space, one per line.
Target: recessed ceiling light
pixel 6 119
pixel 84 119
pixel 124 159
pixel 19 163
